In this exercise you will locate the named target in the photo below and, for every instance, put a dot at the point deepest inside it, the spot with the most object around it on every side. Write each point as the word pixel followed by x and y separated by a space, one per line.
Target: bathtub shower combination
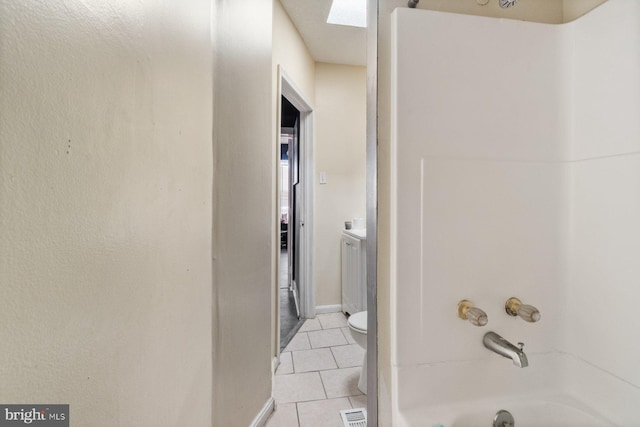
pixel 515 173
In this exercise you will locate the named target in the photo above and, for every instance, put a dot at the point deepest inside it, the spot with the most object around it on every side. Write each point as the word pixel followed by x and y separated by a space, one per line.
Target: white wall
pixel 244 241
pixel 340 152
pixel 105 212
pixel 542 11
pixel 479 194
pixel 548 11
pixel 291 53
pixel 605 239
pixel 515 173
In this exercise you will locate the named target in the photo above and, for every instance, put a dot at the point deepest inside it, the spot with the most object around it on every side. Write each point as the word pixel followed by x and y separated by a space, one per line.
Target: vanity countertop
pixel 358 233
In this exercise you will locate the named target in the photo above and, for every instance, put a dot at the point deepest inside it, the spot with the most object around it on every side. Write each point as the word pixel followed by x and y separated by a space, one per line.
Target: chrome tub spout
pixel 504 348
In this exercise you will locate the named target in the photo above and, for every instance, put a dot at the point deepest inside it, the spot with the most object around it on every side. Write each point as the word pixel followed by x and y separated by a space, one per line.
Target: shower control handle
pixel 529 313
pixel 474 315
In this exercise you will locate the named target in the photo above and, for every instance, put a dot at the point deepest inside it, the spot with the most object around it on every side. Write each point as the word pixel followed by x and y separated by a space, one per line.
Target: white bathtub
pixel 559 411
pixel 556 390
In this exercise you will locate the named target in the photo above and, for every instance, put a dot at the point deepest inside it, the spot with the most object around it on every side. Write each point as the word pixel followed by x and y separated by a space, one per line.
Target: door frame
pixel 373 12
pixel 307 292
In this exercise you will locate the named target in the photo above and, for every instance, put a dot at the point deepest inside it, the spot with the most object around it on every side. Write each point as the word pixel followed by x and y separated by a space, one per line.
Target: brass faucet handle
pixel 474 315
pixel 514 307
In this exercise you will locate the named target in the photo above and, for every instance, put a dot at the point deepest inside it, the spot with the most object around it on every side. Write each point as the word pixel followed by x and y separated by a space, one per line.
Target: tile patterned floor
pixel 318 375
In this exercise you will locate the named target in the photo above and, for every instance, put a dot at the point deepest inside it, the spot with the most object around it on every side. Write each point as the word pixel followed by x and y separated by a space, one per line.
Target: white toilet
pixel 358 328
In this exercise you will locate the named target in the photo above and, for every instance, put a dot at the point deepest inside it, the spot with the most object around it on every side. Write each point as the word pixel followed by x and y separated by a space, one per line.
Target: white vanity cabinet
pixel 354 271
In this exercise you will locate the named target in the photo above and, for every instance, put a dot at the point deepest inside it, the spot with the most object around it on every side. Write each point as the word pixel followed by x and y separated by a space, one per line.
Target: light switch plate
pixel 323 177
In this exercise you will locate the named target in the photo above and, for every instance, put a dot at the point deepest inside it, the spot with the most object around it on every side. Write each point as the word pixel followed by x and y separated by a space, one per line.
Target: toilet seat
pixel 358 322
pixel 358 328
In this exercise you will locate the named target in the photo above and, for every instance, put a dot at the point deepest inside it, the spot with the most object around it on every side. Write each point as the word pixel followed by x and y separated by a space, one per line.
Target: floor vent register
pixel 354 417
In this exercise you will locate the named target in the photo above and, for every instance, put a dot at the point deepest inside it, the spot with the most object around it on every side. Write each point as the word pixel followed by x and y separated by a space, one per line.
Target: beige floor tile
pixel 298 388
pixel 348 356
pixel 326 338
pixel 286 364
pixel 341 382
pixel 300 341
pixel 313 360
pixel 323 413
pixel 347 335
pixel 310 325
pixel 359 401
pixel 332 320
pixel 285 415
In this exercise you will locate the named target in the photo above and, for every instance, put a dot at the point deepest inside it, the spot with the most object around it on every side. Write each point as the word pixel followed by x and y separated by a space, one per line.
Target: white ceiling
pixel 337 44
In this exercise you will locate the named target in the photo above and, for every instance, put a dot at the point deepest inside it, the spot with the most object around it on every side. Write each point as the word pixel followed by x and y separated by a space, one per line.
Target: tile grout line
pixel 323 386
pixel 346 337
pixel 328 315
pixel 341 335
pixel 334 357
pixel 296 336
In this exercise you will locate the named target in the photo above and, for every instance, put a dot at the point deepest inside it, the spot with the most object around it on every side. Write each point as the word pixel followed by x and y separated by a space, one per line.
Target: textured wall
pixel 105 209
pixel 244 211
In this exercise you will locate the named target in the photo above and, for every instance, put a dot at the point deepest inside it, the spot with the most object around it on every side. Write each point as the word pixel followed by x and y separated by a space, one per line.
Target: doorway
pixel 296 288
pixel 290 215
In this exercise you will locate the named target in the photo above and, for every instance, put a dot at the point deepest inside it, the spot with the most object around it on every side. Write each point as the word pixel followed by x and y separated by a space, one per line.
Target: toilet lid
pixel 358 321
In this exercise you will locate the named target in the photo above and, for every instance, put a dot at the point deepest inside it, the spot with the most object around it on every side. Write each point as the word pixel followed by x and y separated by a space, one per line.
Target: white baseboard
pixel 261 419
pixel 324 309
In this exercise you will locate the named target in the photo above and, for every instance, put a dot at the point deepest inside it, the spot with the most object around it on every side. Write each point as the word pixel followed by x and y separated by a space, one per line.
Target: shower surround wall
pixel 516 172
pixel 604 252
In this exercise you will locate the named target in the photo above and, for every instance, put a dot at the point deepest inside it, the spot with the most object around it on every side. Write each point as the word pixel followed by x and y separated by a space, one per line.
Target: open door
pixel 295 220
